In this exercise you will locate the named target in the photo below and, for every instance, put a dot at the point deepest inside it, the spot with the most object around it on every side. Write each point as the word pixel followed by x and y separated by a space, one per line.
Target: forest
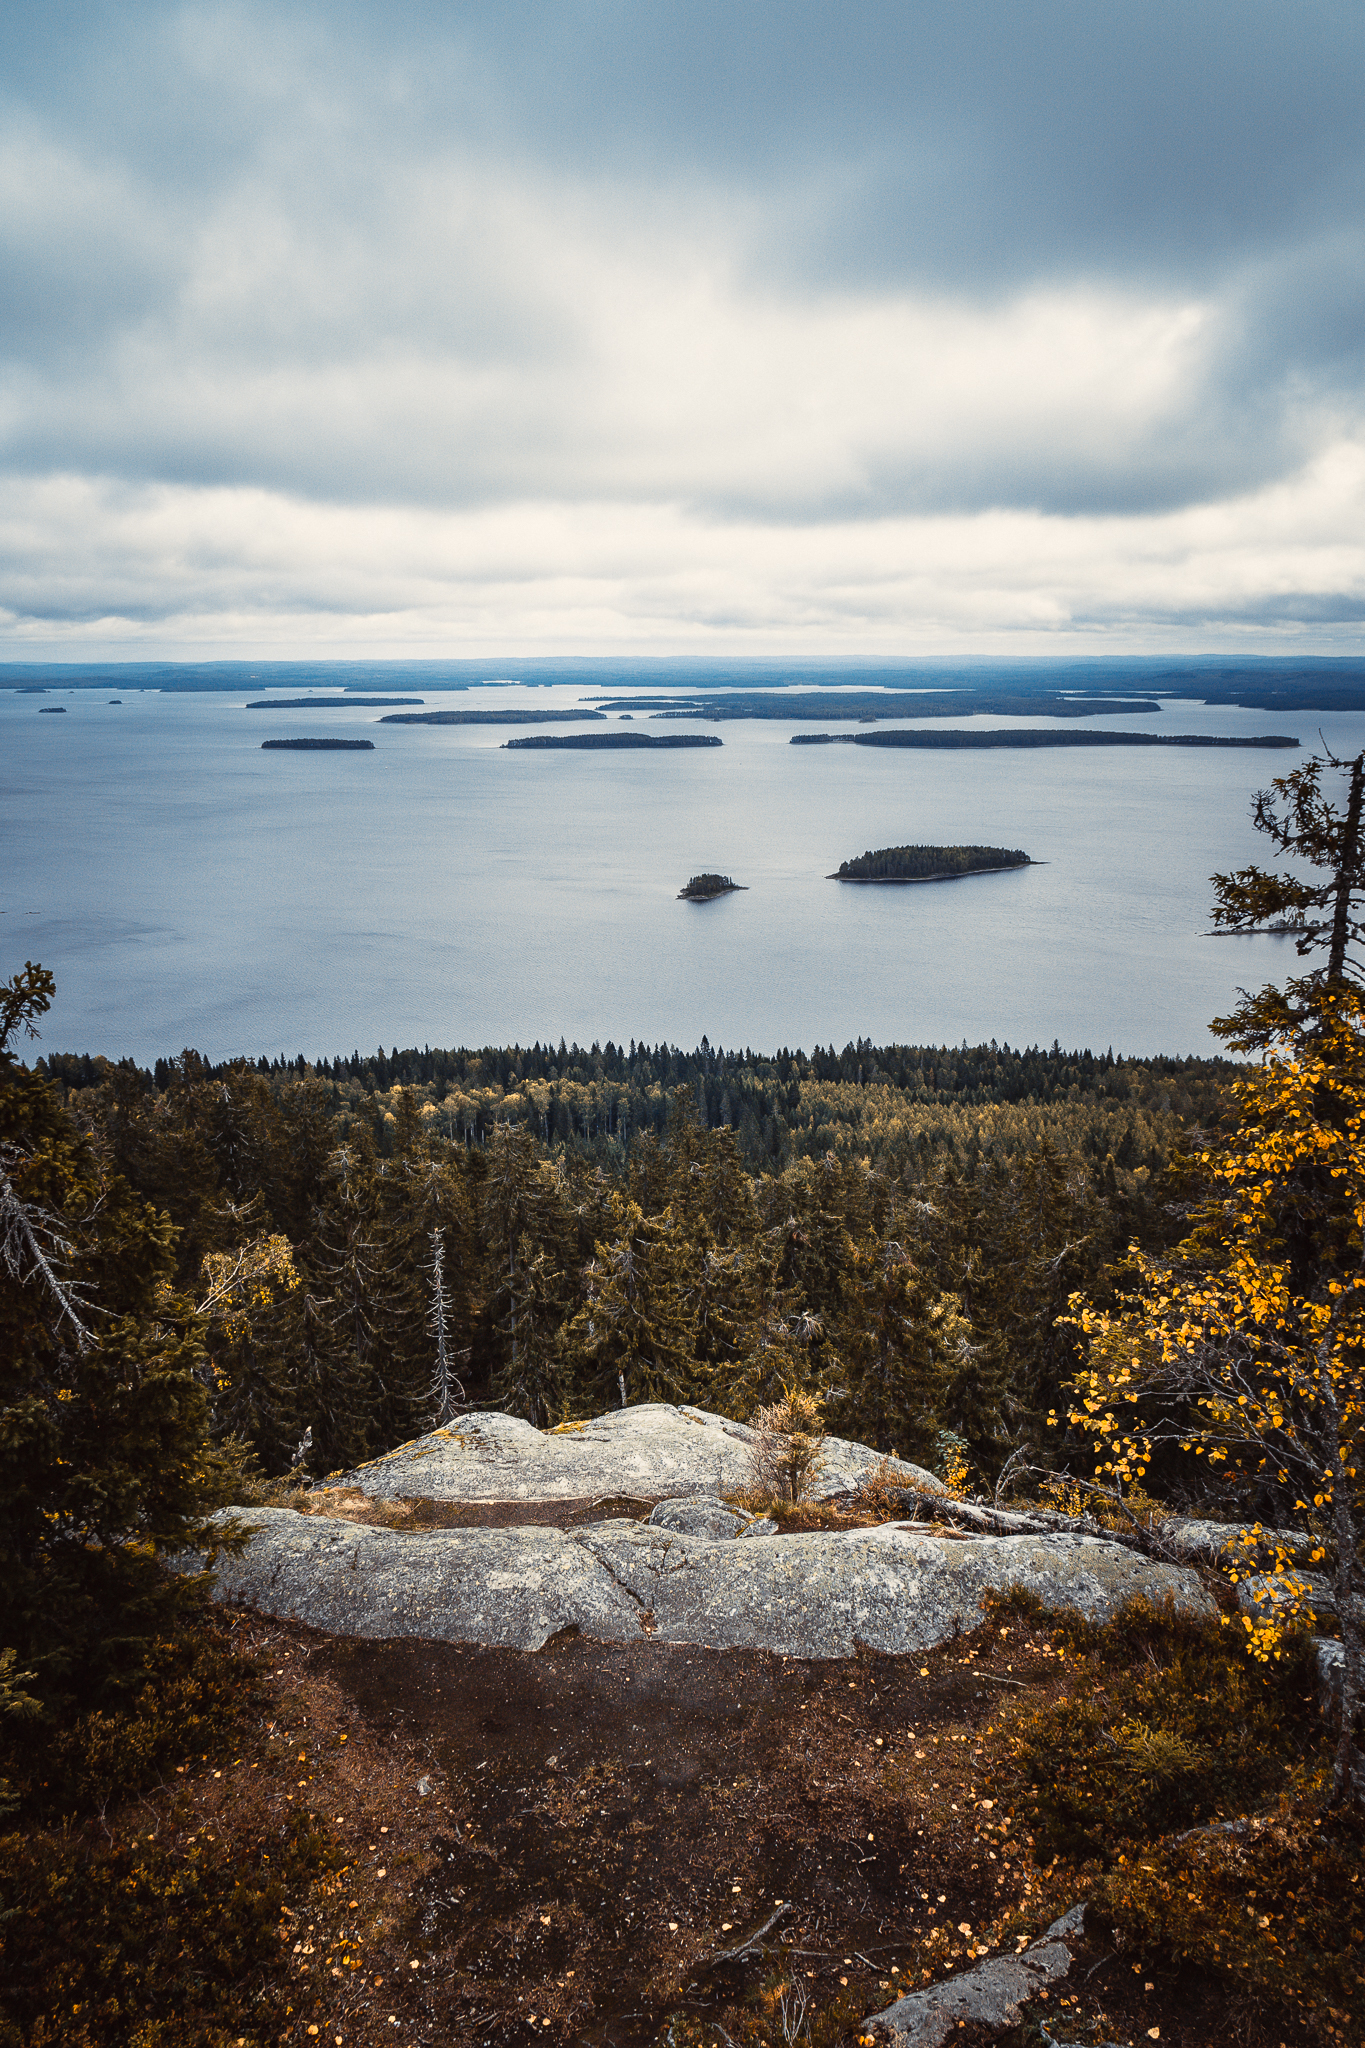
pixel 899 1226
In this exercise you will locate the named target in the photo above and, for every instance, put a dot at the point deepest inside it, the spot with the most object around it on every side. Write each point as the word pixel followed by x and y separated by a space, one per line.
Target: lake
pixel 189 890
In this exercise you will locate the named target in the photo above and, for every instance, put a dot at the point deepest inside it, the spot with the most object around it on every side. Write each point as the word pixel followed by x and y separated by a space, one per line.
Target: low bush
pixel 107 1940
pixel 1169 1723
pixel 123 1920
pixel 1181 1787
pixel 190 1695
pixel 1278 1907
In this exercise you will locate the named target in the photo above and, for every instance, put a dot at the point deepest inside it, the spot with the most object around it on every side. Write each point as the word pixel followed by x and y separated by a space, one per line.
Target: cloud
pixel 95 567
pixel 800 281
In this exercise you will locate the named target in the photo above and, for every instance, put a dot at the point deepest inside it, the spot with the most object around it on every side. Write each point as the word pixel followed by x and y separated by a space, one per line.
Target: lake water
pixel 188 889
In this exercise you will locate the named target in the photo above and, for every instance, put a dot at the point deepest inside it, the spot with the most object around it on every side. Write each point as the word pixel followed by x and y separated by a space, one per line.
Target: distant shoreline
pixel 515 717
pixel 1032 736
pixel 326 703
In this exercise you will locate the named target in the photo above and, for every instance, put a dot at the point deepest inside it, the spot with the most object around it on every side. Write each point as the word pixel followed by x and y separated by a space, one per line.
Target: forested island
pixel 1030 736
pixel 617 741
pixel 704 888
pixel 326 703
pixel 516 717
pixel 328 746
pixel 874 704
pixel 51 710
pixel 928 863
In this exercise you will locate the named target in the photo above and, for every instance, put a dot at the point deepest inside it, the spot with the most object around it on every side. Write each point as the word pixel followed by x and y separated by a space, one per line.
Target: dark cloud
pixel 775 264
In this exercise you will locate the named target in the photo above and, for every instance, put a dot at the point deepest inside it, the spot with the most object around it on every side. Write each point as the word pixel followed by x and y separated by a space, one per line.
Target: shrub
pixel 192 1694
pixel 788 1436
pixel 1170 1722
pixel 108 1942
pixel 1278 1906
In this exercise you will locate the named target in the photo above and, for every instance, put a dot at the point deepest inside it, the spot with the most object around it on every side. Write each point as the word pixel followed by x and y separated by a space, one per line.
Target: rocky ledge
pixel 698 1572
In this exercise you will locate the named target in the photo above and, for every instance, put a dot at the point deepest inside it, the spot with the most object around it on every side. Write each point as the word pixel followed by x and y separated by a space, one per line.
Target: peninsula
pixel 929 863
pixel 318 746
pixel 705 888
pixel 1032 736
pixel 616 741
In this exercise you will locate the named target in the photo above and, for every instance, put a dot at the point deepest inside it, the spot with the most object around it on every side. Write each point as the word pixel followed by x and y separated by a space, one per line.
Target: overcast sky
pixel 883 329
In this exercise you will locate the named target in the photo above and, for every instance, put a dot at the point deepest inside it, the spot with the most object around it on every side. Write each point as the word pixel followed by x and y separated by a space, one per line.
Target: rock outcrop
pixel 646 1453
pixel 824 1594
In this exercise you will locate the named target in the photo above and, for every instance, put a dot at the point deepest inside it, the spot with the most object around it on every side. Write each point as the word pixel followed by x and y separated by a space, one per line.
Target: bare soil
pixel 587 1843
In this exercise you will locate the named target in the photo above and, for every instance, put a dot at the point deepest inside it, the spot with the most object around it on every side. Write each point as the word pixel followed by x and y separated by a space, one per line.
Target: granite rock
pixel 820 1594
pixel 649 1452
pixel 701 1514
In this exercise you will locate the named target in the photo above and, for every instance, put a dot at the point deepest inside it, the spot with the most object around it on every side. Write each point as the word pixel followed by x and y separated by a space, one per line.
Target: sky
pixel 617 328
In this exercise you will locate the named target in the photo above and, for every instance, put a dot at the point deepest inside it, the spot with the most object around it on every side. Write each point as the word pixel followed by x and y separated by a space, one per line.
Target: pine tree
pixel 905 1346
pixel 1300 818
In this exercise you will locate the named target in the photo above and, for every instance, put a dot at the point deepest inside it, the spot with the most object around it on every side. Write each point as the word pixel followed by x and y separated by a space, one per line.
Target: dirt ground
pixel 579 1844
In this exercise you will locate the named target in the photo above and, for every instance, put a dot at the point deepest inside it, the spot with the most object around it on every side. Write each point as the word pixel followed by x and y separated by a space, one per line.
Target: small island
pixel 51 710
pixel 318 746
pixel 705 888
pixel 929 863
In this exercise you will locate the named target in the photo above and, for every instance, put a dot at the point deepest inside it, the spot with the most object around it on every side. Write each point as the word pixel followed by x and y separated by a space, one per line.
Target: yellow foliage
pixel 247 1279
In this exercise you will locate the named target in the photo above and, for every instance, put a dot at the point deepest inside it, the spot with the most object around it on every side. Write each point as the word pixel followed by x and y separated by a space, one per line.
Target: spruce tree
pixel 106 1470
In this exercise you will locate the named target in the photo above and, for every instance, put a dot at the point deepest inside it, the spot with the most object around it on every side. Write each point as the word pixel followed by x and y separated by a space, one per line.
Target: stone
pixel 989 1995
pixel 1226 1543
pixel 648 1452
pixel 821 1594
pixel 1265 1597
pixel 1330 1657
pixel 702 1515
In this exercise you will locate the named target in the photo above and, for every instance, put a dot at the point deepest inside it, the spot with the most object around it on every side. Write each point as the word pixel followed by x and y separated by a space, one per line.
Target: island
pixel 929 863
pixel 318 746
pixel 962 700
pixel 706 888
pixel 1032 736
pixel 617 740
pixel 116 700
pixel 505 717
pixel 51 710
pixel 325 703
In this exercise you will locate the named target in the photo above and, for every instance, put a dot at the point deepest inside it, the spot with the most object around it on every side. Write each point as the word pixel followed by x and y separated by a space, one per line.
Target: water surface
pixel 188 889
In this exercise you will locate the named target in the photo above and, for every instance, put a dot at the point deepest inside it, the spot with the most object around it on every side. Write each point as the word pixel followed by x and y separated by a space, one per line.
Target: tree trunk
pixel 1347 868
